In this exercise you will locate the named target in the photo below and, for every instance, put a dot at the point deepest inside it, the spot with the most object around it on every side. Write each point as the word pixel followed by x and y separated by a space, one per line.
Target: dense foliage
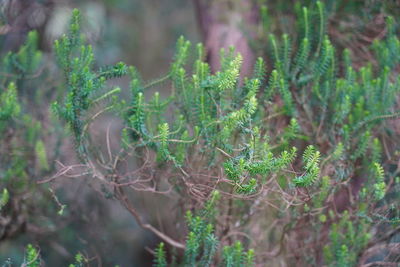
pixel 296 163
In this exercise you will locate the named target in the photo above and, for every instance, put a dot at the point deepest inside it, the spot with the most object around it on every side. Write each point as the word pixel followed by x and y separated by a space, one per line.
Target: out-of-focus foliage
pixel 23 154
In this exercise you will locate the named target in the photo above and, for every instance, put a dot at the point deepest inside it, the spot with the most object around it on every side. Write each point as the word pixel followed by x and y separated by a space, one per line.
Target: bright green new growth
pixel 380 185
pixel 160 256
pixel 32 257
pixel 5 196
pixel 79 261
pixel 311 161
pixel 9 106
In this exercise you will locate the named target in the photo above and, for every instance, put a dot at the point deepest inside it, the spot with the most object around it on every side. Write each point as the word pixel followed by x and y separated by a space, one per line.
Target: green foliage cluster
pixel 346 235
pixel 344 110
pixel 5 196
pixel 230 144
pixel 76 61
pixel 33 258
pixel 23 154
pixel 202 243
pixel 215 108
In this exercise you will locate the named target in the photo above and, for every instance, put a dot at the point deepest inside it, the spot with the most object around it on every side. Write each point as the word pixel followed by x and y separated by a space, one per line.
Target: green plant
pixel 5 196
pixel 202 244
pixel 343 111
pixel 32 257
pixel 76 60
pixel 219 121
pixel 24 155
pixel 226 147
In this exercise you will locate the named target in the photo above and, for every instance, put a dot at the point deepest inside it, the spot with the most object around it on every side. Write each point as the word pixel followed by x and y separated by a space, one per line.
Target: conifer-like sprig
pixel 9 105
pixel 181 55
pixel 311 159
pixel 379 185
pixel 160 256
pixel 4 198
pixel 22 63
pixel 228 78
pixel 32 257
pixel 76 60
